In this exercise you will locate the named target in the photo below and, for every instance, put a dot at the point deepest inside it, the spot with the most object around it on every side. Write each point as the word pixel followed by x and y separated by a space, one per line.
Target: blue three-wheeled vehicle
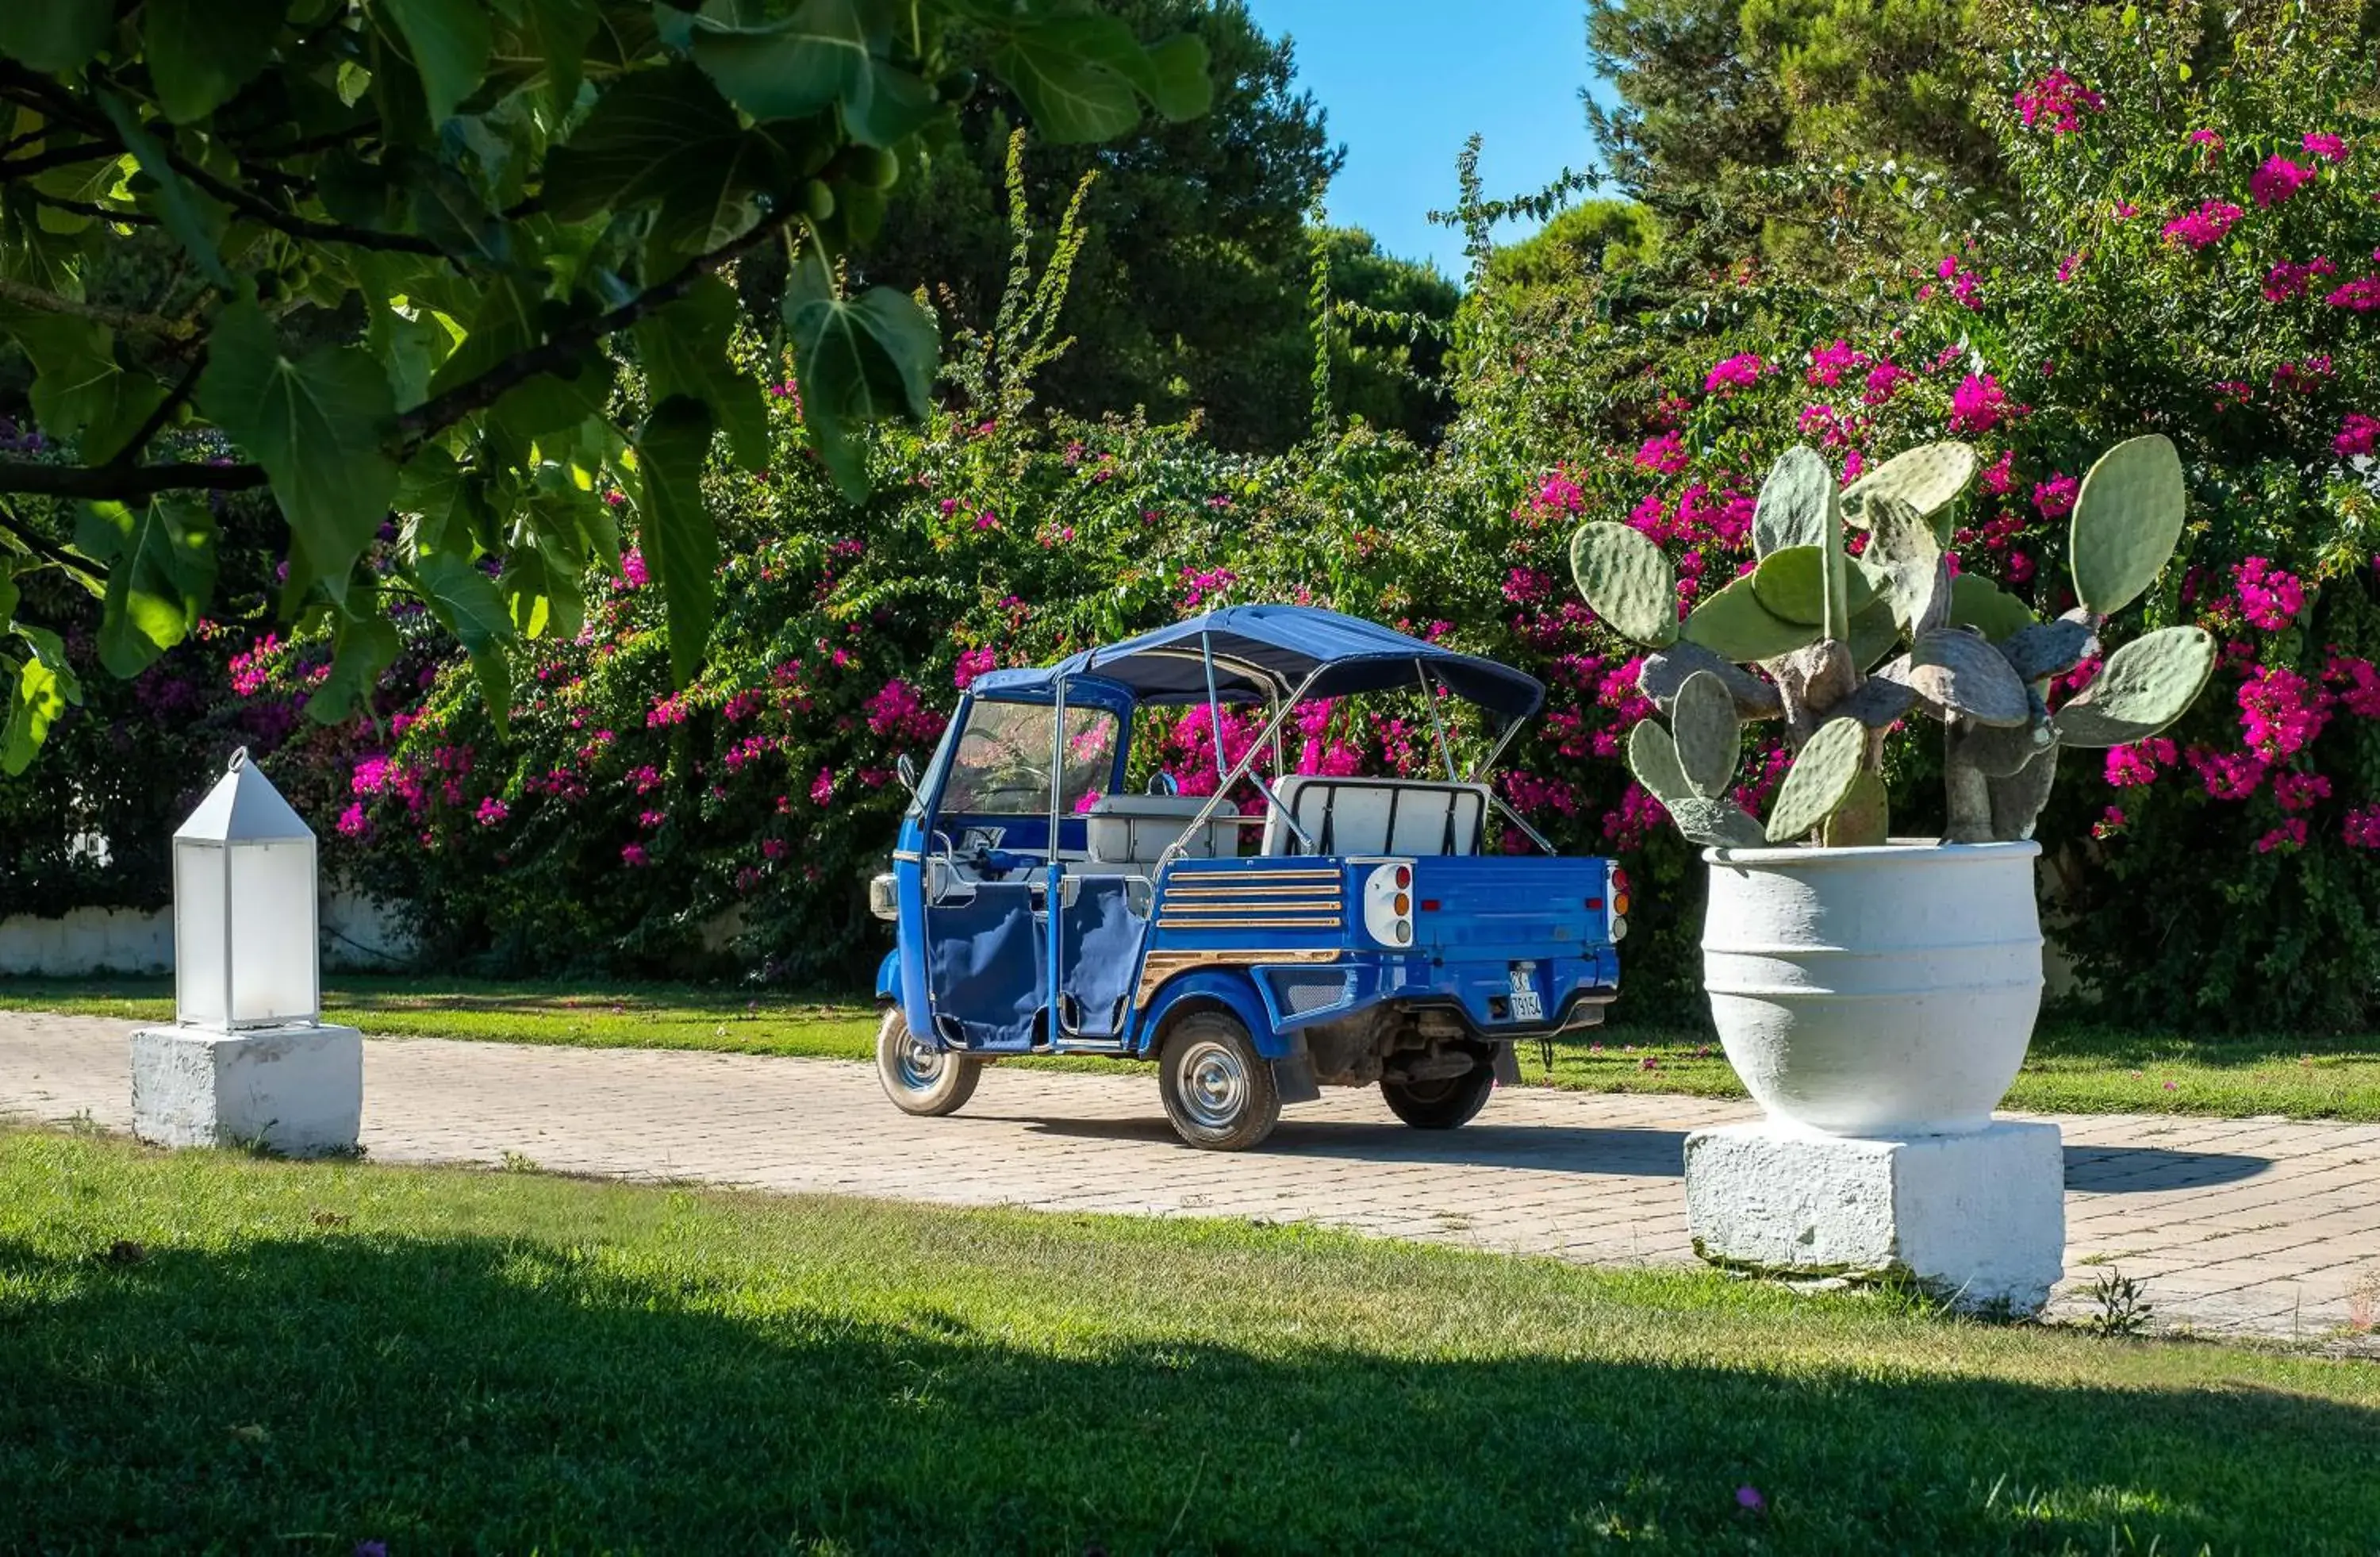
pixel 1354 930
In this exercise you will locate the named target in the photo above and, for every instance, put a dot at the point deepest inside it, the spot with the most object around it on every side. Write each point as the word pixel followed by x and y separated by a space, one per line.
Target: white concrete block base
pixel 296 1091
pixel 1977 1220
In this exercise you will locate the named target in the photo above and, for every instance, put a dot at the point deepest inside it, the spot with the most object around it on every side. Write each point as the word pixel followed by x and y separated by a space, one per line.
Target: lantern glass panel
pixel 200 954
pixel 272 931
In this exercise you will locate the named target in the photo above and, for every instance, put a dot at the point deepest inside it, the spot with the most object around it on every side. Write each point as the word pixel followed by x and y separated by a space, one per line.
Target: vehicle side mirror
pixel 1161 783
pixel 908 772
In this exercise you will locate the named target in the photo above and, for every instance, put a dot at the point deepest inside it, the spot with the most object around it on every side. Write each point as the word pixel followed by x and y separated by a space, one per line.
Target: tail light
pixel 1387 904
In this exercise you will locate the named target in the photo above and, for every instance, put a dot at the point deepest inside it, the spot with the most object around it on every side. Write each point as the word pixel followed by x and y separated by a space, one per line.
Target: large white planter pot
pixel 1882 992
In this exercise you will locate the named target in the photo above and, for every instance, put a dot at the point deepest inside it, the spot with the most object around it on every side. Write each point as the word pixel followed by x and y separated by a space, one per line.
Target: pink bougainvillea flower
pixel 2110 823
pixel 2057 103
pixel 2299 792
pixel 1883 382
pixel 2359 434
pixel 2280 712
pixel 1740 372
pixel 2359 295
pixel 2289 279
pixel 2277 181
pixel 2325 147
pixel 2304 378
pixel 1661 453
pixel 2362 830
pixel 2068 266
pixel 2227 775
pixel 2287 838
pixel 823 787
pixel 1998 476
pixel 2205 225
pixel 2268 597
pixel 1830 362
pixel 1977 405
pixel 2210 138
pixel 2055 497
pixel 493 812
pixel 633 855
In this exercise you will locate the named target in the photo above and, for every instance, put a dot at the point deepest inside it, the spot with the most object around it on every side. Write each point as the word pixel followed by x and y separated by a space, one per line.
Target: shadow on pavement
pixel 2133 1170
pixel 1547 1148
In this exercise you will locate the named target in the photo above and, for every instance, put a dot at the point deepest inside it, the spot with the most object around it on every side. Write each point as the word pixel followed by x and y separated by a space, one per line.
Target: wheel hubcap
pixel 1214 1084
pixel 920 1066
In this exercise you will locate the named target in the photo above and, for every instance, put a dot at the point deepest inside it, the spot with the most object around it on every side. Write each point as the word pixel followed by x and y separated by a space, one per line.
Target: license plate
pixel 1527 1007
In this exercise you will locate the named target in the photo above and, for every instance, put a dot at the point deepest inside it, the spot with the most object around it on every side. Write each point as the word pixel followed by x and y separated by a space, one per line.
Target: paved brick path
pixel 2255 1225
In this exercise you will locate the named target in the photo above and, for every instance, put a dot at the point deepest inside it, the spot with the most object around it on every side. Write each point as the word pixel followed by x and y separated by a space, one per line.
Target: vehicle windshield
pixel 1001 766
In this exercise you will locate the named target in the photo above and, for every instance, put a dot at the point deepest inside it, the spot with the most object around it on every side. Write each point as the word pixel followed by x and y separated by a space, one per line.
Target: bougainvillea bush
pixel 2195 254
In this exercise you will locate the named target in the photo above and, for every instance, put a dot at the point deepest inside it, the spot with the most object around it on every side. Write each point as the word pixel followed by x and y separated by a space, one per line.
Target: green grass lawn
pixel 2075 1067
pixel 209 1352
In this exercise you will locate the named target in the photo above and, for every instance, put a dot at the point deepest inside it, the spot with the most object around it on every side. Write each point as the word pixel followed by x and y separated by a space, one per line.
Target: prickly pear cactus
pixel 1810 636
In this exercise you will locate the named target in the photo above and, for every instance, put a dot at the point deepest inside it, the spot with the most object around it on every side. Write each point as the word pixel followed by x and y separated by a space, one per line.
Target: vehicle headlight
pixel 883 901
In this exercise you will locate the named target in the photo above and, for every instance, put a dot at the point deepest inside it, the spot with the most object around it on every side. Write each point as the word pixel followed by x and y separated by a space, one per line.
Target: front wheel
pixel 1219 1092
pixel 919 1079
pixel 1444 1104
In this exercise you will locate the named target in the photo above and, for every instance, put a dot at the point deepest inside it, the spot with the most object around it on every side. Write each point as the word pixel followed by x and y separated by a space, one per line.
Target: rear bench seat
pixel 1135 829
pixel 1375 816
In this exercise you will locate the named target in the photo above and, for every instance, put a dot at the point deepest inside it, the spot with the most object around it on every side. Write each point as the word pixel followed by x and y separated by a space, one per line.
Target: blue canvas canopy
pixel 1262 653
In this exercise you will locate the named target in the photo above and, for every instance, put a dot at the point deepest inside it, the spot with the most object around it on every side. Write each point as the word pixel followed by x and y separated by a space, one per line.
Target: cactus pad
pixel 1864 819
pixel 2047 648
pixel 1653 759
pixel 1793 584
pixel 1976 602
pixel 1960 673
pixel 1821 779
pixel 1628 581
pixel 1796 506
pixel 2145 687
pixel 1906 548
pixel 1734 624
pixel 1661 675
pixel 1878 703
pixel 1717 824
pixel 1929 479
pixel 2126 519
pixel 1707 739
pixel 1874 634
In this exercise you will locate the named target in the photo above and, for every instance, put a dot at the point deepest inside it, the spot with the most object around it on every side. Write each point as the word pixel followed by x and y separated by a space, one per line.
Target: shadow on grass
pixel 454 1393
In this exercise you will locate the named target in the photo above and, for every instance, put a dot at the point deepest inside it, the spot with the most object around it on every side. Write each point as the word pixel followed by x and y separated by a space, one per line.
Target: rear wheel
pixel 1219 1092
pixel 919 1079
pixel 1442 1104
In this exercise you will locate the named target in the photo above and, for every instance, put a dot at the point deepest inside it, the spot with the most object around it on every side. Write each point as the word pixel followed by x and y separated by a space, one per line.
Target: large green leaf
pixel 82 393
pixel 161 571
pixel 647 131
pixel 858 362
pixel 193 222
pixel 680 546
pixel 683 350
pixel 449 41
pixel 440 496
pixel 826 51
pixel 38 691
pixel 200 52
pixel 1080 77
pixel 1069 92
pixel 363 644
pixel 51 35
pixel 318 424
pixel 465 600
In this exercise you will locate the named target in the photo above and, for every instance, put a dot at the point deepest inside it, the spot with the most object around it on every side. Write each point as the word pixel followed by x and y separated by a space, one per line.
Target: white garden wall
pixel 358 934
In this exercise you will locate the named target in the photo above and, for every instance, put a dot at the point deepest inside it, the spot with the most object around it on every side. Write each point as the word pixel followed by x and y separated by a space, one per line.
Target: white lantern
pixel 243 909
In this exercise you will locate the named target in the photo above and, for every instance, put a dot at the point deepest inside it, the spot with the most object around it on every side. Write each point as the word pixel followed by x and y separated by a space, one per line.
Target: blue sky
pixel 1404 82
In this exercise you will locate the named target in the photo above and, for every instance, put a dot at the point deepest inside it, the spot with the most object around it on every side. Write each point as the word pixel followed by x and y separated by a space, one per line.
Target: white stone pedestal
pixel 296 1091
pixel 1978 1220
